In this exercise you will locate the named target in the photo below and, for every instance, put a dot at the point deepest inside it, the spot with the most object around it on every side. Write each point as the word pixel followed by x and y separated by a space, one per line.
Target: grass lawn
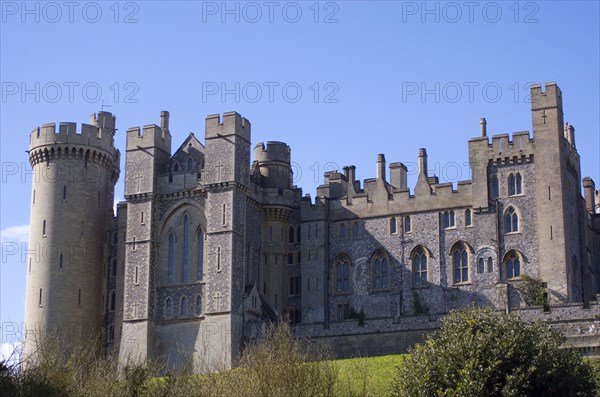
pixel 370 376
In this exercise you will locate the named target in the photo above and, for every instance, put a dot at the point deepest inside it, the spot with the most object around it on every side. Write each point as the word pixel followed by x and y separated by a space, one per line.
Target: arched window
pixel 419 268
pixel 515 184
pixel 511 220
pixel 407 225
pixel 171 258
pixel 342 232
pixel 290 258
pixel 355 230
pixel 480 266
pixel 200 254
pixel 513 265
pixel 198 305
pixel 186 246
pixel 44 228
pixel 298 235
pixel 112 301
pixel 291 234
pixel 342 274
pixel 494 188
pixel 460 263
pixel 190 165
pixel 176 167
pixel 60 261
pixel 379 264
pixel 468 219
pixel 169 308
pixel 393 227
pixel 183 308
pixel 448 219
pixel 490 264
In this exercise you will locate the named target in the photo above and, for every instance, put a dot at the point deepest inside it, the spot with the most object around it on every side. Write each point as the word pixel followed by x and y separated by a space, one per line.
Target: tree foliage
pixel 480 353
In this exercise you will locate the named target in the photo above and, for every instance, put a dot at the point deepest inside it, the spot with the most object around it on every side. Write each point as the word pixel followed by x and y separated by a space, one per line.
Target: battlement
pixel 150 135
pixel 502 146
pixel 549 98
pixel 231 123
pixel 272 151
pixel 69 133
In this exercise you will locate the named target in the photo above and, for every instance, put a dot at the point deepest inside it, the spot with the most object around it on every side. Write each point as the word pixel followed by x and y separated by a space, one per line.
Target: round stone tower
pixel 274 164
pixel 74 173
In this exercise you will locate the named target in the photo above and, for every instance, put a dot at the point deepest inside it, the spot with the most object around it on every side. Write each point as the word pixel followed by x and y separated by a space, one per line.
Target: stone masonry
pixel 209 246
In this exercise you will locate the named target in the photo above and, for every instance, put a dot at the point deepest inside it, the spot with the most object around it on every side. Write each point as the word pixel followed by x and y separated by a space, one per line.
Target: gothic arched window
pixel 342 274
pixel 380 266
pixel 515 184
pixel 183 308
pixel 511 220
pixel 169 307
pixel 419 268
pixel 460 263
pixel 512 265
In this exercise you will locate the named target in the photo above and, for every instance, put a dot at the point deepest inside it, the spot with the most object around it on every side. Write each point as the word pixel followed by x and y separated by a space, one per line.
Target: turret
pixel 274 164
pixel 75 171
pixel 589 192
pixel 570 134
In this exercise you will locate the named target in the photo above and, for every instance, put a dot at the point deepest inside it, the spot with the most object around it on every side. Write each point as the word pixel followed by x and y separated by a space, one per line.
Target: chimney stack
pixel 381 167
pixel 164 121
pixel 483 127
pixel 423 164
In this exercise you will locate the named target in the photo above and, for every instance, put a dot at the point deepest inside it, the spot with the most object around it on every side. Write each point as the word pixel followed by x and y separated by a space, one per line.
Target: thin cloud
pixel 15 234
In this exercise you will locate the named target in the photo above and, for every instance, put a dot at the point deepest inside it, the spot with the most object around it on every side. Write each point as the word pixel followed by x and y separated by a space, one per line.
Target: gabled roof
pixel 190 141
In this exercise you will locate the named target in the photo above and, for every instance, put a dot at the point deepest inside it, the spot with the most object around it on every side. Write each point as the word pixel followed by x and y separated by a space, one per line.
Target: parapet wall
pixel 231 123
pixel 580 326
pixel 68 133
pixel 502 149
pixel 272 151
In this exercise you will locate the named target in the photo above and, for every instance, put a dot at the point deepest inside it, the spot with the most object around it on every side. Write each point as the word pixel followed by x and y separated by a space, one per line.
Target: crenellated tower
pixel 558 195
pixel 74 173
pixel 273 162
pixel 227 181
pixel 148 153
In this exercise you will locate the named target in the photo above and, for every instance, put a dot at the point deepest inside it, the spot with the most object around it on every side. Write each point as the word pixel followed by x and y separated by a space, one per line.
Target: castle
pixel 209 246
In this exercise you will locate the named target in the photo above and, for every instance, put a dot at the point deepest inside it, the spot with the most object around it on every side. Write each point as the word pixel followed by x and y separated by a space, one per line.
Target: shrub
pixel 281 366
pixel 480 353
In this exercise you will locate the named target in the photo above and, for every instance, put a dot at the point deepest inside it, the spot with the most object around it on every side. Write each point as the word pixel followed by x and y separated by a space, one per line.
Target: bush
pixel 281 366
pixel 480 353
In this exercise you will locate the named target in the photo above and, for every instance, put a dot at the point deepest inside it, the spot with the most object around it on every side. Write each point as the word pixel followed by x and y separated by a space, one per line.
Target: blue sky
pixel 339 81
